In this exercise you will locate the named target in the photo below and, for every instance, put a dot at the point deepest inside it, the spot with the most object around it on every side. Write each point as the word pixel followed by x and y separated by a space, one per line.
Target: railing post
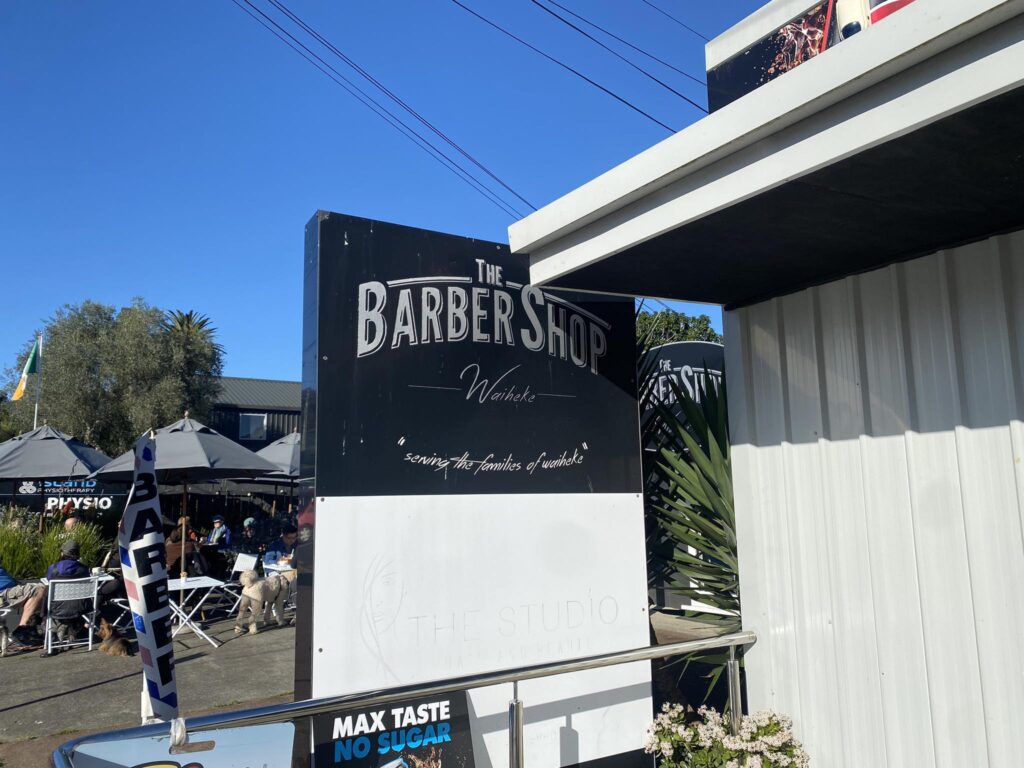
pixel 735 694
pixel 515 729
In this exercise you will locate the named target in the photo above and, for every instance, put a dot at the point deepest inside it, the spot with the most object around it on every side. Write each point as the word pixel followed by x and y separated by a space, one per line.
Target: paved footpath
pixel 47 701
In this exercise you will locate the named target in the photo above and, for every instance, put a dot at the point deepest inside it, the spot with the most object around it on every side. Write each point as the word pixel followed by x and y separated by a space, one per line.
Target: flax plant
pixel 691 525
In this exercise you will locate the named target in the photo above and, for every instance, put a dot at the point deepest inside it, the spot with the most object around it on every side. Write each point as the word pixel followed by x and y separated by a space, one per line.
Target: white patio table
pixel 192 585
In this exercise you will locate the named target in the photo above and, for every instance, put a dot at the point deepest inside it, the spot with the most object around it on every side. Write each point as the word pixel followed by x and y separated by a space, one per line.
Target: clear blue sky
pixel 174 151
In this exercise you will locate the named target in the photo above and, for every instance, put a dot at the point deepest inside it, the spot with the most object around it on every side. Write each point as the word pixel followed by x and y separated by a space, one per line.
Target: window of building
pixel 252 426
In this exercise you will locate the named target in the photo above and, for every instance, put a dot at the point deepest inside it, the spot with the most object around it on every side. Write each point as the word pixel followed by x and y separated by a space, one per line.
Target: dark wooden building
pixel 256 412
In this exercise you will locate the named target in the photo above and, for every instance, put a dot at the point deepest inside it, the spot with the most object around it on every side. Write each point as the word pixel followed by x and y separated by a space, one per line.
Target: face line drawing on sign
pixel 376 614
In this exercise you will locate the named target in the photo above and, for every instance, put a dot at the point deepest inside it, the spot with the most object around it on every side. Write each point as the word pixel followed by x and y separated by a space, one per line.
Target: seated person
pixel 248 541
pixel 30 598
pixel 68 566
pixel 281 551
pixel 193 564
pixel 67 614
pixel 220 535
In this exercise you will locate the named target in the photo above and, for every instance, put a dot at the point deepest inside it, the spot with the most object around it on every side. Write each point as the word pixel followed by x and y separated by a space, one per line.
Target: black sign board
pixel 691 365
pixel 440 386
pixel 91 498
pixel 459 377
pixel 420 733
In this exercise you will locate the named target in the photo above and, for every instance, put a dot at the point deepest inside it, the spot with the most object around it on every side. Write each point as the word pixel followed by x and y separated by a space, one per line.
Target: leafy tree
pixel 666 326
pixel 108 375
pixel 7 428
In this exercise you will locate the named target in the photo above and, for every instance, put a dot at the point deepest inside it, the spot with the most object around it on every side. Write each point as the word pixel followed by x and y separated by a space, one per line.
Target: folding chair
pixel 232 589
pixel 5 633
pixel 64 598
pixel 124 618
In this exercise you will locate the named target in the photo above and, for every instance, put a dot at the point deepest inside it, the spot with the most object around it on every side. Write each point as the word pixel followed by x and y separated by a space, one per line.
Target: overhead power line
pixel 377 108
pixel 639 50
pixel 394 97
pixel 564 66
pixel 618 55
pixel 682 24
pixel 368 101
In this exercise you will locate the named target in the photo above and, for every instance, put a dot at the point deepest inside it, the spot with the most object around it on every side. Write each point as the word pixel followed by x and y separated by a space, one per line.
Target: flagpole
pixel 39 381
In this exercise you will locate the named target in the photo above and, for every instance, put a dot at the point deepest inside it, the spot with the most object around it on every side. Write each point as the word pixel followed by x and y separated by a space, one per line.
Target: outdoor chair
pixel 5 634
pixel 231 592
pixel 67 601
pixel 124 618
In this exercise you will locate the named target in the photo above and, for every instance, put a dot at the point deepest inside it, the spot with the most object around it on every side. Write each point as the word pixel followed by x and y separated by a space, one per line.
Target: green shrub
pixel 19 516
pixel 25 553
pixel 20 553
pixel 89 537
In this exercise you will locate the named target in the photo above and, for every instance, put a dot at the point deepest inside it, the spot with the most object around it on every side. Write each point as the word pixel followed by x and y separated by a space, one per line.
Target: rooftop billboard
pixel 822 26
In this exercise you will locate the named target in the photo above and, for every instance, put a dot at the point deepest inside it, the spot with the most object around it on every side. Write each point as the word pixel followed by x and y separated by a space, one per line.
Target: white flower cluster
pixel 765 740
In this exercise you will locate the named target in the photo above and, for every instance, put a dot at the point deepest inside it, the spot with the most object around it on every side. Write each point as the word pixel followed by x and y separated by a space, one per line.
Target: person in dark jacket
pixel 249 540
pixel 67 614
pixel 69 566
pixel 220 535
pixel 280 552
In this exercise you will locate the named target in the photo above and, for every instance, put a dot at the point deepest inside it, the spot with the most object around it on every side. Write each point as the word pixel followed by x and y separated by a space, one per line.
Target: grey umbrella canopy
pixel 46 453
pixel 188 451
pixel 285 454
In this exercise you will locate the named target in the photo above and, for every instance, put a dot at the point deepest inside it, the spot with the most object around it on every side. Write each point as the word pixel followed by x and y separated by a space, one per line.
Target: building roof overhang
pixel 905 139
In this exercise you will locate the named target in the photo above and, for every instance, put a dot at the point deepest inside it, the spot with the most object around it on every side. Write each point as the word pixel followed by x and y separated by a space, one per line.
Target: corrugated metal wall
pixel 879 479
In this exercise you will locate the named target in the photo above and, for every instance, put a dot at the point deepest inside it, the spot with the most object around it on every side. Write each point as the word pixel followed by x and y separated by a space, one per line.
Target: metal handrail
pixel 280 713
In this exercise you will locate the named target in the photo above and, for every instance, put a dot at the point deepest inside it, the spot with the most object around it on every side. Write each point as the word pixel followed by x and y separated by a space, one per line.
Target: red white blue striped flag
pixel 140 542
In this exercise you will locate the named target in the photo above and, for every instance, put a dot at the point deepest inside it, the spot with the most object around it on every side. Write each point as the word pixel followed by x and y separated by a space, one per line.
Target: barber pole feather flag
pixel 31 366
pixel 140 543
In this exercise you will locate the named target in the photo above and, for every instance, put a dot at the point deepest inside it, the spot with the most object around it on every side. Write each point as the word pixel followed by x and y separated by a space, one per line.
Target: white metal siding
pixel 878 448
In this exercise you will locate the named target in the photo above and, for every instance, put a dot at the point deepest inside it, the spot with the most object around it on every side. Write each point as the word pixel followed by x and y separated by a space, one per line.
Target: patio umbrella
pixel 285 454
pixel 188 451
pixel 46 453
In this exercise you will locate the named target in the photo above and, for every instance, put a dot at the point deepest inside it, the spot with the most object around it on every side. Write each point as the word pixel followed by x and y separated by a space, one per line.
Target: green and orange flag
pixel 31 366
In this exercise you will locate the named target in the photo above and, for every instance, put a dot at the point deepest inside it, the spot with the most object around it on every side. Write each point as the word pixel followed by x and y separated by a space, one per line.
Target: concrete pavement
pixel 80 691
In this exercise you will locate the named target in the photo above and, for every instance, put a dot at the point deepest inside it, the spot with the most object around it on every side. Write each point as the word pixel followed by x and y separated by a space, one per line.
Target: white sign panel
pixel 446 586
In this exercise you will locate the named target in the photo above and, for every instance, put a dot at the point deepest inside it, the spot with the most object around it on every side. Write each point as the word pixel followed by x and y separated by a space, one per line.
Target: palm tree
pixel 191 325
pixel 195 356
